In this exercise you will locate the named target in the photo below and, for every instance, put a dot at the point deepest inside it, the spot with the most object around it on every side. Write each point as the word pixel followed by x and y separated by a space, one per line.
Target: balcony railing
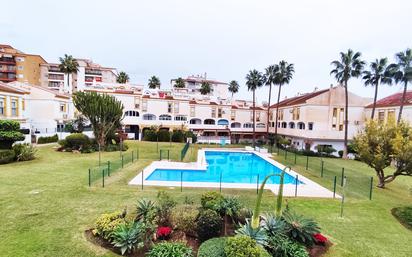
pixel 94 72
pixel 7 60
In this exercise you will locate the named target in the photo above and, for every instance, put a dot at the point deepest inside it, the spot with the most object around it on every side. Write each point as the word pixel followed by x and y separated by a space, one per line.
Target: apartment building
pixel 388 108
pixel 18 66
pixel 317 118
pixel 219 90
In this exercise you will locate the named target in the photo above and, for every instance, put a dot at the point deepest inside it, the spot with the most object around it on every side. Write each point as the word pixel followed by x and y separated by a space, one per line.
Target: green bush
pixel 107 223
pixel 178 136
pixel 184 219
pixel 165 205
pixel 209 224
pixel 116 147
pixel 404 215
pixel 46 140
pixel 9 133
pixel 24 152
pixel 190 134
pixel 164 136
pixel 77 141
pixel 281 246
pixel 214 247
pixel 244 246
pixel 300 228
pixel 167 249
pixel 7 156
pixel 129 237
pixel 212 200
pixel 150 135
pixel 243 215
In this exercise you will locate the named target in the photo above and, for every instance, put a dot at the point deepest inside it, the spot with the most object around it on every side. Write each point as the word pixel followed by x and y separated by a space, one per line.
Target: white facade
pixel 219 90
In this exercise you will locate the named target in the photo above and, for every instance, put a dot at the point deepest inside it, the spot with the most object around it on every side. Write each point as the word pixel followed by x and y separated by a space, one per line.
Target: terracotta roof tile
pixel 299 99
pixel 393 100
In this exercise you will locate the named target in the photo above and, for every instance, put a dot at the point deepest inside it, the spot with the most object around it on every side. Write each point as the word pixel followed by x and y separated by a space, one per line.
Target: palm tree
pixel 270 73
pixel 254 80
pixel 154 82
pixel 283 75
pixel 233 87
pixel 378 73
pixel 205 88
pixel 401 72
pixel 179 83
pixel 68 65
pixel 122 78
pixel 349 66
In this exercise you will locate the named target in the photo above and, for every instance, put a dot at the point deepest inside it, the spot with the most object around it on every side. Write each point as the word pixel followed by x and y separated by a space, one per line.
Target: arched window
pixel 196 121
pixel 291 125
pixel 284 124
pixel 223 122
pixel 209 122
pixel 248 125
pixel 149 116
pixel 301 125
pixel 180 118
pixel 165 117
pixel 235 125
pixel 131 113
pixel 260 125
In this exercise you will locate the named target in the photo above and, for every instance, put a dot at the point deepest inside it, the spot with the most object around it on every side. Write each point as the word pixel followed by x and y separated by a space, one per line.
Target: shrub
pixel 113 147
pixel 47 140
pixel 145 210
pixel 163 135
pixel 281 246
pixel 107 223
pixel 163 233
pixel 243 246
pixel 320 239
pixel 190 134
pixel 214 247
pixel 178 136
pixel 77 141
pixel 209 224
pixel 7 156
pixel 184 219
pixel 129 237
pixel 244 214
pixel 166 249
pixel 301 228
pixel 212 200
pixel 165 205
pixel 9 133
pixel 24 152
pixel 150 135
pixel 230 206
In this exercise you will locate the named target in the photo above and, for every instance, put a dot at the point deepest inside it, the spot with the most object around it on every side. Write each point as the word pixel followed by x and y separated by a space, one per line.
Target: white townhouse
pixel 219 89
pixel 317 118
pixel 13 104
pixel 388 108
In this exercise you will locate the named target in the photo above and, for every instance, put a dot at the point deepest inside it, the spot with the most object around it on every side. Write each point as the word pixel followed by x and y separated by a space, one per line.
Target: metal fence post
pixel 307 162
pixel 168 154
pixel 220 182
pixel 137 154
pixel 108 168
pixel 132 156
pixel 181 181
pixel 102 177
pixel 90 178
pixel 122 162
pixel 321 169
pixel 334 187
pixel 342 176
pixel 142 178
pixel 296 185
pixel 257 184
pixel 371 187
pixel 343 197
pixel 286 154
pixel 295 157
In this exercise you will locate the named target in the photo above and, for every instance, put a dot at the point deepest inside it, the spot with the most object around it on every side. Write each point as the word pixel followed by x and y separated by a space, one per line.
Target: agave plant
pixel 231 206
pixel 274 225
pixel 129 237
pixel 258 233
pixel 145 210
pixel 300 228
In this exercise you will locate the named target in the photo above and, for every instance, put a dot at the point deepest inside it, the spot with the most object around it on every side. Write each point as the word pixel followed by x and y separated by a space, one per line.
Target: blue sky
pixel 224 38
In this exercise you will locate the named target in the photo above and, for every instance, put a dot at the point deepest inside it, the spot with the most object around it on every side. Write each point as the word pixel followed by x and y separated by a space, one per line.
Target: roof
pixel 9 89
pixel 393 100
pixel 299 99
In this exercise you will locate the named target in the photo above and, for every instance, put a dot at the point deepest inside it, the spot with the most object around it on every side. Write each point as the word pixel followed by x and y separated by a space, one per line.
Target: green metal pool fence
pixel 107 168
pixel 357 185
pixel 184 151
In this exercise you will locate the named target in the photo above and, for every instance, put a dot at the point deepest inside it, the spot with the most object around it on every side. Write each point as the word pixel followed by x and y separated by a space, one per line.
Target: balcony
pixel 7 60
pixel 94 72
pixel 55 69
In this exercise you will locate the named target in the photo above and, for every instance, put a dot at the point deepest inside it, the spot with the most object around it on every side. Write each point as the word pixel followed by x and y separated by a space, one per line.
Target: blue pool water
pixel 230 167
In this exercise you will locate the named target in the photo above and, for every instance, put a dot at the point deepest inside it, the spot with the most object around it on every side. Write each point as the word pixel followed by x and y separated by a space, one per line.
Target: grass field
pixel 45 204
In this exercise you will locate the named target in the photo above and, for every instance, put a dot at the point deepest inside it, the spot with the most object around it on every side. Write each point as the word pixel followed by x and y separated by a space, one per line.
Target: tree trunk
pixel 405 88
pixel 268 121
pixel 254 136
pixel 346 122
pixel 374 100
pixel 277 114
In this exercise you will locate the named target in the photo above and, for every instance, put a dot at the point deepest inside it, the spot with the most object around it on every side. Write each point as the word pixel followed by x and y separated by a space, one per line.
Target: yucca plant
pixel 145 210
pixel 300 228
pixel 273 225
pixel 258 233
pixel 129 237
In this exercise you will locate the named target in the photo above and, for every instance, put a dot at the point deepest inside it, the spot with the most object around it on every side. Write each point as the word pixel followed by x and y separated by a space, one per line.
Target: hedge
pixel 46 140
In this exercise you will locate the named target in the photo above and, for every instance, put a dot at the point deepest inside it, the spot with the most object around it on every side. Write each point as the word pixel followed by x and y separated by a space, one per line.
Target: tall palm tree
pixel 205 88
pixel 379 73
pixel 179 83
pixel 254 80
pixel 233 87
pixel 283 76
pixel 154 82
pixel 122 78
pixel 270 73
pixel 401 72
pixel 349 66
pixel 68 65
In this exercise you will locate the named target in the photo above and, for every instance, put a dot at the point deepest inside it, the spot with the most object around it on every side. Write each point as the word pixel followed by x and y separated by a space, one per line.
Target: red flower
pixel 163 232
pixel 320 239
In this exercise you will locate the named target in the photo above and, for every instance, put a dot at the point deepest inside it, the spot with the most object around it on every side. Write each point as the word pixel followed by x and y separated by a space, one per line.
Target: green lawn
pixel 45 204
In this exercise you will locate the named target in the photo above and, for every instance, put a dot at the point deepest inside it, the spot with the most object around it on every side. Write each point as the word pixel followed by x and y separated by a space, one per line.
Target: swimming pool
pixel 226 167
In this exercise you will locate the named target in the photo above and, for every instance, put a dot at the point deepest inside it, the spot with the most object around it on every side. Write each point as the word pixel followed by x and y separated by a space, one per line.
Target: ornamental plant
pixel 107 223
pixel 163 233
pixel 167 249
pixel 9 133
pixel 320 239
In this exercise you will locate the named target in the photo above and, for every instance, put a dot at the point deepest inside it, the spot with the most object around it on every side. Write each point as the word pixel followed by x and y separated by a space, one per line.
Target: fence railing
pixel 184 151
pixel 331 171
pixel 107 168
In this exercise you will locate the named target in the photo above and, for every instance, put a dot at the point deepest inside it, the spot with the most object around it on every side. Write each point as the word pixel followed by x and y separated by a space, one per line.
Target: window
pixel 23 104
pixel 169 107
pixel 260 125
pixel 310 126
pixel 176 107
pixel 296 113
pixel 181 118
pixel 137 102
pixel 14 107
pixel 213 112
pixel 165 117
pixel 219 112
pixel 20 76
pixel 235 125
pixel 20 67
pixel 258 116
pixel 209 122
pixel 232 115
pixel 132 113
pixel 337 119
pixel 195 121
pixel 192 111
pixel 284 125
pixel 148 116
pixel 19 59
pixel 291 125
pixel 391 115
pixel 223 122
pixel 2 105
pixel 248 125
pixel 381 116
pixel 280 115
pixel 271 115
pixel 301 125
pixel 144 105
pixel 62 107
